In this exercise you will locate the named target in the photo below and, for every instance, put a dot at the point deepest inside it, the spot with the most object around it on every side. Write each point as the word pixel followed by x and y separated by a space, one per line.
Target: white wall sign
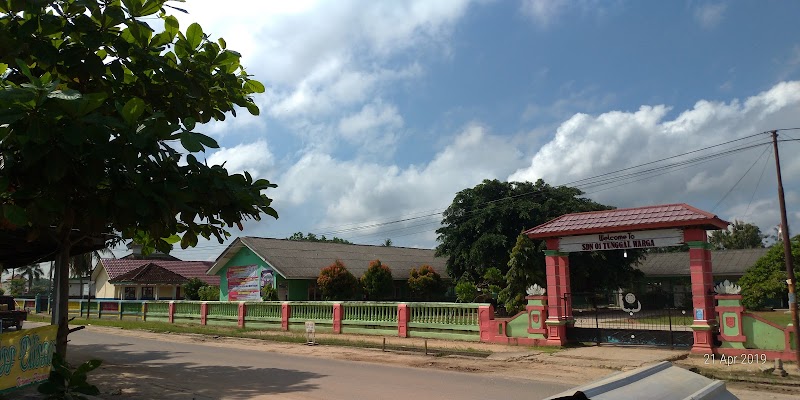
pixel 621 240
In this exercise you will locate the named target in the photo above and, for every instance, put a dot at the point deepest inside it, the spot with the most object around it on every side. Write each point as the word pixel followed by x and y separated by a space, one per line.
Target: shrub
pixel 425 282
pixel 191 289
pixel 377 281
pixel 209 293
pixel 337 283
pixel 766 279
pixel 466 291
pixel 269 293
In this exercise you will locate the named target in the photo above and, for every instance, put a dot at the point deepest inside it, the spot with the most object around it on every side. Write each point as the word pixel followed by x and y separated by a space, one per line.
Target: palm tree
pixel 33 272
pixel 83 264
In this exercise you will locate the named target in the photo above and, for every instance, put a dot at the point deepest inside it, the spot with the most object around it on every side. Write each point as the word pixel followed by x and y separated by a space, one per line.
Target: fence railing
pixel 428 320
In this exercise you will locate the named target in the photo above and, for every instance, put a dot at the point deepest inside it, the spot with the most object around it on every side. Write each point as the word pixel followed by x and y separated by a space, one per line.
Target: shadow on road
pixel 145 373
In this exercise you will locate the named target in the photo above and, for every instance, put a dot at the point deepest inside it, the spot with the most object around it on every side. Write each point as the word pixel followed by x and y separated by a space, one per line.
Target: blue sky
pixel 379 111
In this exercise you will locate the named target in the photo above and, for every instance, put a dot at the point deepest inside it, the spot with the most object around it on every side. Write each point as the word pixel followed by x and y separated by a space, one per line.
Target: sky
pixel 378 112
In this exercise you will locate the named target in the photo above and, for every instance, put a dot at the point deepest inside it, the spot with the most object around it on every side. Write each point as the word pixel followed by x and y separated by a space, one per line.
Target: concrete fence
pixel 457 321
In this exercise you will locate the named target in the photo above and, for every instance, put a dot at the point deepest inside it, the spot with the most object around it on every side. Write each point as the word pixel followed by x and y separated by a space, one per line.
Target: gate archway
pixel 630 228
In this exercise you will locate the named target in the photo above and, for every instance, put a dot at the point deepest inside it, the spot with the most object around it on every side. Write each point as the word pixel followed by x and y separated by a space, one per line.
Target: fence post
pixel 119 308
pixel 485 318
pixel 286 311
pixel 203 312
pixel 171 312
pixel 242 313
pixel 144 311
pixel 337 318
pixel 403 314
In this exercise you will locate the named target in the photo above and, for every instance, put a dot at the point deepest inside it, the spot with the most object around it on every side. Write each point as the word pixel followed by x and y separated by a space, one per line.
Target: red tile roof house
pixel 147 279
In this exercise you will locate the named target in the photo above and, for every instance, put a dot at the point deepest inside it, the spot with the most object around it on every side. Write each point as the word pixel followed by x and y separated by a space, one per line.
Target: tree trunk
pixel 61 309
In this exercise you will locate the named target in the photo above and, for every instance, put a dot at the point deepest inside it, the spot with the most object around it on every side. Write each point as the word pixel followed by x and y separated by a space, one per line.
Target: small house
pixel 147 279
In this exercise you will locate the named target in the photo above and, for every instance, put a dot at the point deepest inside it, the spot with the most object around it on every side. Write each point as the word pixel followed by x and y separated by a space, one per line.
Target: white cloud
pixel 587 146
pixel 710 15
pixel 256 158
pixel 366 191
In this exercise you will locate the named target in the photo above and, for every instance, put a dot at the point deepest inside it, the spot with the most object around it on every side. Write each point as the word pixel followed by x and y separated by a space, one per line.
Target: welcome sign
pixel 26 356
pixel 621 240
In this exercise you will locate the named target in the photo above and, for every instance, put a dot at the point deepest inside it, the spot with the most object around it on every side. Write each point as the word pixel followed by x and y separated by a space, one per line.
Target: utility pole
pixel 787 250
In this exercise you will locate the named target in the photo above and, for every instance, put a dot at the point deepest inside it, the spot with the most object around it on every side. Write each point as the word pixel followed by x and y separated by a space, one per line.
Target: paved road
pixel 199 371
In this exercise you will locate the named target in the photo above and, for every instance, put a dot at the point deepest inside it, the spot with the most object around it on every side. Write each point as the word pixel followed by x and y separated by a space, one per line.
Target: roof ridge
pixel 329 243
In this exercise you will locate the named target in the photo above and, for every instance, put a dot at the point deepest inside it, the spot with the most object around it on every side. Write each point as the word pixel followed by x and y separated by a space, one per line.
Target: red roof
pixel 188 269
pixel 151 273
pixel 627 219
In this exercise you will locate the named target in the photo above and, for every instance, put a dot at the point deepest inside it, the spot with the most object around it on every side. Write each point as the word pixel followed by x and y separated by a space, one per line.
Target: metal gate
pixel 624 317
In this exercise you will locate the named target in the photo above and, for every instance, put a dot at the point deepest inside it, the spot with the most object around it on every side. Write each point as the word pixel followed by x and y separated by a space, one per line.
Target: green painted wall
pixel 243 257
pixel 518 327
pixel 761 335
pixel 298 289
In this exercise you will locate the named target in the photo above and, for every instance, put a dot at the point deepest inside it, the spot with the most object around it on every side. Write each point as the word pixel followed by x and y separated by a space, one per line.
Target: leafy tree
pixel 425 282
pixel 269 293
pixel 16 286
pixel 298 236
pixel 524 269
pixel 740 235
pixel 466 291
pixel 766 279
pixel 191 289
pixel 387 243
pixel 208 293
pixel 2 291
pixel 32 272
pixel 377 281
pixel 336 282
pixel 481 226
pixel 98 118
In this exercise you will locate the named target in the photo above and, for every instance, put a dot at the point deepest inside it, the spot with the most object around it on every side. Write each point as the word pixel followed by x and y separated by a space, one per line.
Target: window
pixel 147 293
pixel 130 293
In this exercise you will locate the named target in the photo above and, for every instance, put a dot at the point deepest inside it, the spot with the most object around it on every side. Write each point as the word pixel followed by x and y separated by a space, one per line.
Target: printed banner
pixel 243 283
pixel 26 356
pixel 267 278
pixel 621 240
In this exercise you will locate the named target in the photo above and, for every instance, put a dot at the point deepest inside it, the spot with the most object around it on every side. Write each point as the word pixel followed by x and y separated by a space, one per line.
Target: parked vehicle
pixel 9 315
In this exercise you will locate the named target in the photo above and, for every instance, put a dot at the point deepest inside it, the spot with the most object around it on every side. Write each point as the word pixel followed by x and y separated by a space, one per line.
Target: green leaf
pixel 172 239
pixel 151 7
pixel 23 67
pixel 254 86
pixel 3 68
pixel 189 123
pixel 253 108
pixel 207 141
pixel 191 142
pixel 15 214
pixel 66 94
pixel 88 366
pixel 194 35
pixel 171 25
pixel 132 110
pixel 227 57
pixel 222 43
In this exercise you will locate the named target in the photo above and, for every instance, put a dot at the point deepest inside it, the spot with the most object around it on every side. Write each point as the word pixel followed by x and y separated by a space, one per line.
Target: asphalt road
pixel 200 371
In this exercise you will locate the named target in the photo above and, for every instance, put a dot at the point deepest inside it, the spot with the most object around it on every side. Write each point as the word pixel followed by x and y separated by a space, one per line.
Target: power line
pixel 753 196
pixel 740 179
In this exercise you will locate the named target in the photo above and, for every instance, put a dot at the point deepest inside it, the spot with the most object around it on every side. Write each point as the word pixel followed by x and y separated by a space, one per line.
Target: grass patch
pixel 272 335
pixel 782 318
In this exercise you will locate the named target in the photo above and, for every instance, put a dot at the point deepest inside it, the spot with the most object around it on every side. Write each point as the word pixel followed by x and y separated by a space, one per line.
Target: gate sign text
pixel 621 240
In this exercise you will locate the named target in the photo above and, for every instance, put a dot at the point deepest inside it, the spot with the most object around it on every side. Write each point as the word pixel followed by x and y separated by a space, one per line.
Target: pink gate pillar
pixel 704 313
pixel 559 311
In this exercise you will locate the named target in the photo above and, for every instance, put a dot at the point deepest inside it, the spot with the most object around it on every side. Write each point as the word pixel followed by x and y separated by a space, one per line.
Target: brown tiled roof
pixel 150 273
pixel 723 262
pixel 627 219
pixel 188 269
pixel 303 260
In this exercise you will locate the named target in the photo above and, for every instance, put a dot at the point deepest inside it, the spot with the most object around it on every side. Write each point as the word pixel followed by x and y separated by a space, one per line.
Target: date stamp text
pixel 721 359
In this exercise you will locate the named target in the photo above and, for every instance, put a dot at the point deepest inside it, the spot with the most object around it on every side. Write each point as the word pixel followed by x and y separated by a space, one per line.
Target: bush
pixel 192 288
pixel 766 279
pixel 425 282
pixel 269 293
pixel 337 283
pixel 377 281
pixel 209 293
pixel 466 291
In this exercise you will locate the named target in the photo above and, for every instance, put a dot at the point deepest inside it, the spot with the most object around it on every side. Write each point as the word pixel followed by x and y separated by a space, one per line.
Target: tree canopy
pixel 739 235
pixel 337 283
pixel 98 128
pixel 377 281
pixel 766 279
pixel 310 237
pixel 481 228
pixel 425 283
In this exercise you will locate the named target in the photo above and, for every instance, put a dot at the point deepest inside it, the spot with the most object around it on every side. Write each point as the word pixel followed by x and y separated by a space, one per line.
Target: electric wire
pixel 753 196
pixel 740 179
